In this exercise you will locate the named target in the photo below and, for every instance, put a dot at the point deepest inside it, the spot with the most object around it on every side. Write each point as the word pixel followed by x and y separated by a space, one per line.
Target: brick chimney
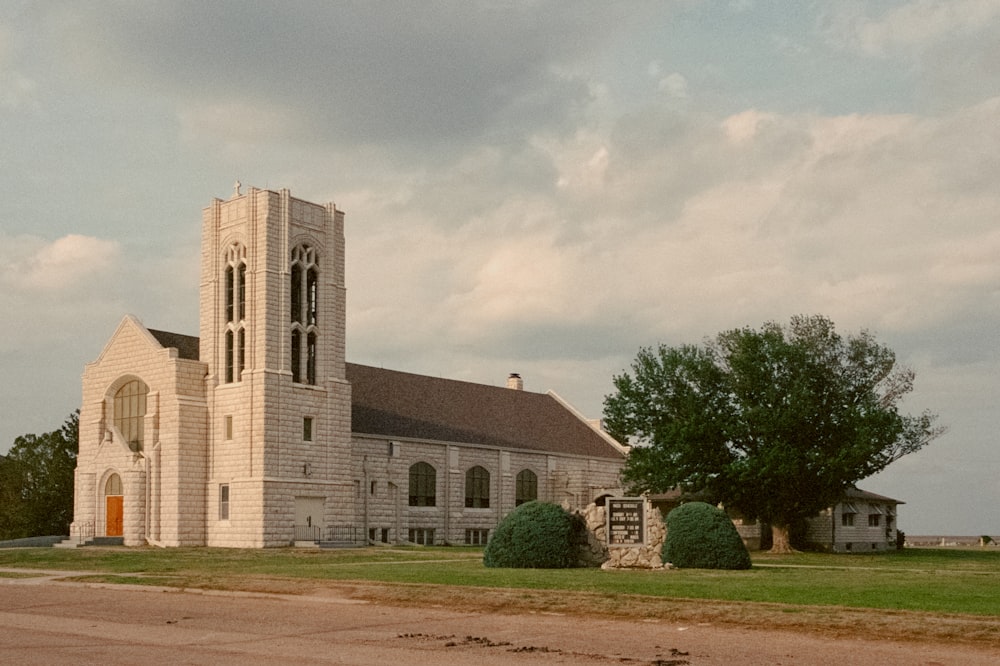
pixel 515 382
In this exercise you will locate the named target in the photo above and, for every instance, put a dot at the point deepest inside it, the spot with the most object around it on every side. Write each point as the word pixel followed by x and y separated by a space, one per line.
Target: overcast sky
pixel 532 187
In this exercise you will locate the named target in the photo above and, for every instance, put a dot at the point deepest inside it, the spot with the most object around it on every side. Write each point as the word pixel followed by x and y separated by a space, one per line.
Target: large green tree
pixel 36 483
pixel 776 422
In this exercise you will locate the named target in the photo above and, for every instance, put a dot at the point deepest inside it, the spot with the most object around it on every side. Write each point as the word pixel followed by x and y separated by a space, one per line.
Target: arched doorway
pixel 114 506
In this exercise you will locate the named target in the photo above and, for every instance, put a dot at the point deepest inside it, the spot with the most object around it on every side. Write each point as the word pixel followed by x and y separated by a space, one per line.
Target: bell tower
pixel 273 337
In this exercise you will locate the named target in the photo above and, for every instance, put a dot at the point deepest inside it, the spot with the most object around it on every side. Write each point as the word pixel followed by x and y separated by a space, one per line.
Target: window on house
pixel 422 536
pixel 224 501
pixel 129 411
pixel 874 520
pixel 476 537
pixel 228 427
pixel 304 313
pixel 477 488
pixel 423 485
pixel 847 519
pixel 307 429
pixel 526 487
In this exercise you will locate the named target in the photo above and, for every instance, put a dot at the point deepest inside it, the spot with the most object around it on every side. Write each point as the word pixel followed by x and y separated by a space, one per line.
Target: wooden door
pixel 115 508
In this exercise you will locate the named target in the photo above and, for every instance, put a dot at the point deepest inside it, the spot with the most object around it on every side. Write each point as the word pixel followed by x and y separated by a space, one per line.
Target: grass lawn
pixel 929 594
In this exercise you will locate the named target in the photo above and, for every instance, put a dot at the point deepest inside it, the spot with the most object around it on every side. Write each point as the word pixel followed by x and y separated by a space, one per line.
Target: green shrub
pixel 701 536
pixel 535 535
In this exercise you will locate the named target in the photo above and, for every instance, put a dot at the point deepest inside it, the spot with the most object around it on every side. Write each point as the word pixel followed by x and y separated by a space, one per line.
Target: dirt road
pixel 44 621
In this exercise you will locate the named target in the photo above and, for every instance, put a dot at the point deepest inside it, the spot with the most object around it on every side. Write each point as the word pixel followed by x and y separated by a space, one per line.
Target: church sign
pixel 626 521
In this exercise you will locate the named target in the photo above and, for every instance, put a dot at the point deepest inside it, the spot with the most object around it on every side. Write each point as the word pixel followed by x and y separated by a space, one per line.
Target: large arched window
pixel 236 312
pixel 477 488
pixel 423 485
pixel 129 409
pixel 304 313
pixel 526 489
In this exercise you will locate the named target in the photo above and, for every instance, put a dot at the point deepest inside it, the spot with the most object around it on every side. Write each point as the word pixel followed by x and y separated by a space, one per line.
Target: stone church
pixel 259 433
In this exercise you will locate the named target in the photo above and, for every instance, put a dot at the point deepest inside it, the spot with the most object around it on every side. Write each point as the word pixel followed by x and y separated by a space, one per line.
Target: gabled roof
pixel 858 494
pixel 186 345
pixel 389 403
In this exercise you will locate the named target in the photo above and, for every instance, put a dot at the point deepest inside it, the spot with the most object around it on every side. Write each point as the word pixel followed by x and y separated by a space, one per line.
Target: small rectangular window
pixel 847 520
pixel 229 428
pixel 224 501
pixel 307 429
pixel 476 537
pixel 421 536
pixel 874 520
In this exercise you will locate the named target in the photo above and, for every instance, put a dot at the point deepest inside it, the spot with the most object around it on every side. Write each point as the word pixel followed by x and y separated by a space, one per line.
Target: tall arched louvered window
pixel 304 314
pixel 236 312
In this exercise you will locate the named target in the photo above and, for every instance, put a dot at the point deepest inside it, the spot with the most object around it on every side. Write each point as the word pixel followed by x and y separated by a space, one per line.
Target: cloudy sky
pixel 539 187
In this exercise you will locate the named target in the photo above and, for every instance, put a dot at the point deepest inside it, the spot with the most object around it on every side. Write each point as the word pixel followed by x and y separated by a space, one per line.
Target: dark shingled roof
pixel 389 403
pixel 186 345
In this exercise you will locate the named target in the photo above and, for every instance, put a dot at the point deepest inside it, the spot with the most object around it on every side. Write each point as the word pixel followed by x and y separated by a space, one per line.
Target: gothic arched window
pixel 304 313
pixel 423 485
pixel 129 410
pixel 236 312
pixel 526 488
pixel 477 488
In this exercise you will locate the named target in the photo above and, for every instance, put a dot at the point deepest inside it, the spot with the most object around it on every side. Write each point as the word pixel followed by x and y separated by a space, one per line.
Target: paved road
pixel 44 621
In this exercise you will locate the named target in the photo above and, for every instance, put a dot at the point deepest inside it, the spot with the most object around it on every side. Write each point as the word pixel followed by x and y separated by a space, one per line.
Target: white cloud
pixel 60 265
pixel 912 25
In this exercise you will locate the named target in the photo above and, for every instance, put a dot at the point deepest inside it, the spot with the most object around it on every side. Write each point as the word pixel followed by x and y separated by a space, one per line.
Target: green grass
pixel 959 581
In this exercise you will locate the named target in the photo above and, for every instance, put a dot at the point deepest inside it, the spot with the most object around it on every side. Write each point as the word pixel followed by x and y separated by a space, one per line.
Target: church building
pixel 259 433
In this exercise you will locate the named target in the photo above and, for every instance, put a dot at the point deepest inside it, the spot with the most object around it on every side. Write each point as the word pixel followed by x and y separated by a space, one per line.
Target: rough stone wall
pixel 595 552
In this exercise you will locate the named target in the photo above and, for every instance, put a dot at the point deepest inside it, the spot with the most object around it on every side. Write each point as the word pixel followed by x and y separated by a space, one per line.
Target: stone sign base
pixel 595 551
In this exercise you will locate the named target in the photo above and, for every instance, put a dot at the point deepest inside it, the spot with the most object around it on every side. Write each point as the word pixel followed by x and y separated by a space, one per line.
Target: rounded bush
pixel 535 535
pixel 701 536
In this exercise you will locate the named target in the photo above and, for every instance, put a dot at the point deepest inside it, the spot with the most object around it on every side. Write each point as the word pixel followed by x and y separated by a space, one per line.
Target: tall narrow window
pixel 307 429
pixel 311 358
pixel 303 294
pixel 526 488
pixel 423 485
pixel 230 294
pixel 129 412
pixel 241 291
pixel 224 501
pixel 477 488
pixel 296 356
pixel 312 297
pixel 230 347
pixel 235 313
pixel 241 355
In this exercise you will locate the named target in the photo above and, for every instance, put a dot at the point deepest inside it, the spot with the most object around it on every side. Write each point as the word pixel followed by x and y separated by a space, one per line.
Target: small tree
pixel 701 536
pixel 535 535
pixel 36 483
pixel 776 423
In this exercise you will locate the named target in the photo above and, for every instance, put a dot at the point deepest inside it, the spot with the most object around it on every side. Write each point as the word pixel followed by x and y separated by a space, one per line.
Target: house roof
pixel 186 345
pixel 399 404
pixel 858 494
